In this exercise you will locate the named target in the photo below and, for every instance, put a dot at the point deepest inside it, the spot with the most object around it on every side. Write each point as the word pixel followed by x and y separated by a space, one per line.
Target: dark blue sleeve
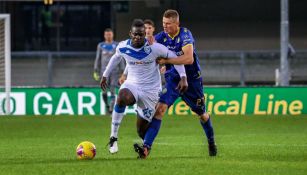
pixel 187 37
pixel 159 37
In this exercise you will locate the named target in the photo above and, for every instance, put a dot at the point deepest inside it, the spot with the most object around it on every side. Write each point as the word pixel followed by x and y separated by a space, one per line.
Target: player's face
pixel 149 29
pixel 108 36
pixel 170 25
pixel 137 35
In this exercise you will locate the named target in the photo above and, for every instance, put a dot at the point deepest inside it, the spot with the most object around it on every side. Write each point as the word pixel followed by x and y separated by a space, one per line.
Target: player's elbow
pixel 190 61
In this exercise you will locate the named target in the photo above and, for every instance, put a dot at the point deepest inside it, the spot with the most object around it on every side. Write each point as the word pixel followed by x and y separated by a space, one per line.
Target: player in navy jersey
pixel 181 41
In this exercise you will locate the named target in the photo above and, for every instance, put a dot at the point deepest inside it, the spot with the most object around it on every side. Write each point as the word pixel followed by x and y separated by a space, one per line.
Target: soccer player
pixel 105 50
pixel 181 41
pixel 143 83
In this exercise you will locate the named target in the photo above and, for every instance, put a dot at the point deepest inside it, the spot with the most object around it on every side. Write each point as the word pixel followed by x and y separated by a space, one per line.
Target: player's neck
pixel 175 33
pixel 108 42
pixel 137 46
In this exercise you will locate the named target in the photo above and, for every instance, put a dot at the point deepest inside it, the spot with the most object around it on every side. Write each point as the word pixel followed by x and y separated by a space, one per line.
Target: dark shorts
pixel 193 97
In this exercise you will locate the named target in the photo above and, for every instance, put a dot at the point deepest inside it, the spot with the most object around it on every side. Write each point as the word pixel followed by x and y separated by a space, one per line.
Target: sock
pixel 105 99
pixel 117 116
pixel 207 126
pixel 152 132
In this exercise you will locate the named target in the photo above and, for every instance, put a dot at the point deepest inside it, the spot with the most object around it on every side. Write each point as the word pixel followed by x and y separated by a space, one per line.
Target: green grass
pixel 246 144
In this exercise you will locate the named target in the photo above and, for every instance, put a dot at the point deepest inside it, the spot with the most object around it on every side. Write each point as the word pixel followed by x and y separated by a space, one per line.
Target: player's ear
pixel 130 34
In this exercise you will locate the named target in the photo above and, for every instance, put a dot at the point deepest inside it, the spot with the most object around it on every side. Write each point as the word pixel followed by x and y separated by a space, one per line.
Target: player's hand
pixel 182 85
pixel 151 40
pixel 161 60
pixel 162 69
pixel 96 76
pixel 103 83
pixel 122 79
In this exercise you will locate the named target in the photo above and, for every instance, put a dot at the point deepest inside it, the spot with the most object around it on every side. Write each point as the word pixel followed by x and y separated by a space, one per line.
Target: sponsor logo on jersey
pixel 140 62
pixel 171 47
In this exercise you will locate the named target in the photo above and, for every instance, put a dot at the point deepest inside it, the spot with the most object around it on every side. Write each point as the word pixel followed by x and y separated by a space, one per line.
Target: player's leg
pixel 167 98
pixel 205 121
pixel 112 98
pixel 113 85
pixel 194 98
pixel 125 98
pixel 146 107
pixel 141 126
pixel 105 99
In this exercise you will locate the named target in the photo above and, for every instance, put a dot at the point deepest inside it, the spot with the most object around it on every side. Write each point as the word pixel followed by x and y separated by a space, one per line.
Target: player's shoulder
pixel 123 43
pixel 160 36
pixel 100 44
pixel 157 46
pixel 185 32
pixel 115 43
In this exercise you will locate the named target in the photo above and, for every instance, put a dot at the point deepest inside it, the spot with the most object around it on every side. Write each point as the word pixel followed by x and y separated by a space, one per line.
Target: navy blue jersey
pixel 181 39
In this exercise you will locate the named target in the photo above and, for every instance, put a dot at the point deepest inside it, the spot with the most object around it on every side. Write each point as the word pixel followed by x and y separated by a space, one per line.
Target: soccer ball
pixel 86 150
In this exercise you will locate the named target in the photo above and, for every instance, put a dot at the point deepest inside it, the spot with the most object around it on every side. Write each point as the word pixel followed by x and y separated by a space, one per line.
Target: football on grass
pixel 86 151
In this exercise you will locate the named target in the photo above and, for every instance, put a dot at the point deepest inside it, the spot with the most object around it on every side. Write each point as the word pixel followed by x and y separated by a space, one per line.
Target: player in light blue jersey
pixel 105 50
pixel 143 84
pixel 181 41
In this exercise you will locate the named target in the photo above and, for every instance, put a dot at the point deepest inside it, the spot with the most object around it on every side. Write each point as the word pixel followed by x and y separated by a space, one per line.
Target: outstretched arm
pixel 114 61
pixel 186 58
pixel 123 77
pixel 183 84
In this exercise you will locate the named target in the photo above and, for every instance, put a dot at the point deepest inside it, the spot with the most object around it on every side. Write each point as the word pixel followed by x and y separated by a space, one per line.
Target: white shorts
pixel 146 100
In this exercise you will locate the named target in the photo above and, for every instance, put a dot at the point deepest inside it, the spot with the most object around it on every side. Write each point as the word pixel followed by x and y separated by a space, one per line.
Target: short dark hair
pixel 170 13
pixel 137 23
pixel 150 22
pixel 108 30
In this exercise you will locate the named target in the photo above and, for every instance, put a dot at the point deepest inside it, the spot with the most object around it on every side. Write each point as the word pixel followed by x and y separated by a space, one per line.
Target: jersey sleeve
pixel 163 51
pixel 126 70
pixel 159 37
pixel 97 59
pixel 187 38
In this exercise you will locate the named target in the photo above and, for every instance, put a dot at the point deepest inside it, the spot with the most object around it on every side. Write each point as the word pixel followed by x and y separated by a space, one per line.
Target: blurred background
pixel 54 43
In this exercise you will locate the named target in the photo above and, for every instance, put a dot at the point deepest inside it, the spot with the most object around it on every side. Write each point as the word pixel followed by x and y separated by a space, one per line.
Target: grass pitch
pixel 246 145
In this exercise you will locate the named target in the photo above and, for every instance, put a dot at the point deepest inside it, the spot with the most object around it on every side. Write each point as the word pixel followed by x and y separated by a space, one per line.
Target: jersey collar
pixel 176 34
pixel 145 44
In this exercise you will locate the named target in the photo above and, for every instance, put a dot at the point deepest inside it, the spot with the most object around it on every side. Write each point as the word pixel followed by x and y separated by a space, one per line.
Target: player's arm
pixel 183 84
pixel 113 63
pixel 123 77
pixel 187 49
pixel 97 62
pixel 186 58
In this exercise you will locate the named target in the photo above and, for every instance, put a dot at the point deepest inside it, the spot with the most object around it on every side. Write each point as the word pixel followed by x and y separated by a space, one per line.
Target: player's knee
pixel 125 98
pixel 204 117
pixel 160 110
